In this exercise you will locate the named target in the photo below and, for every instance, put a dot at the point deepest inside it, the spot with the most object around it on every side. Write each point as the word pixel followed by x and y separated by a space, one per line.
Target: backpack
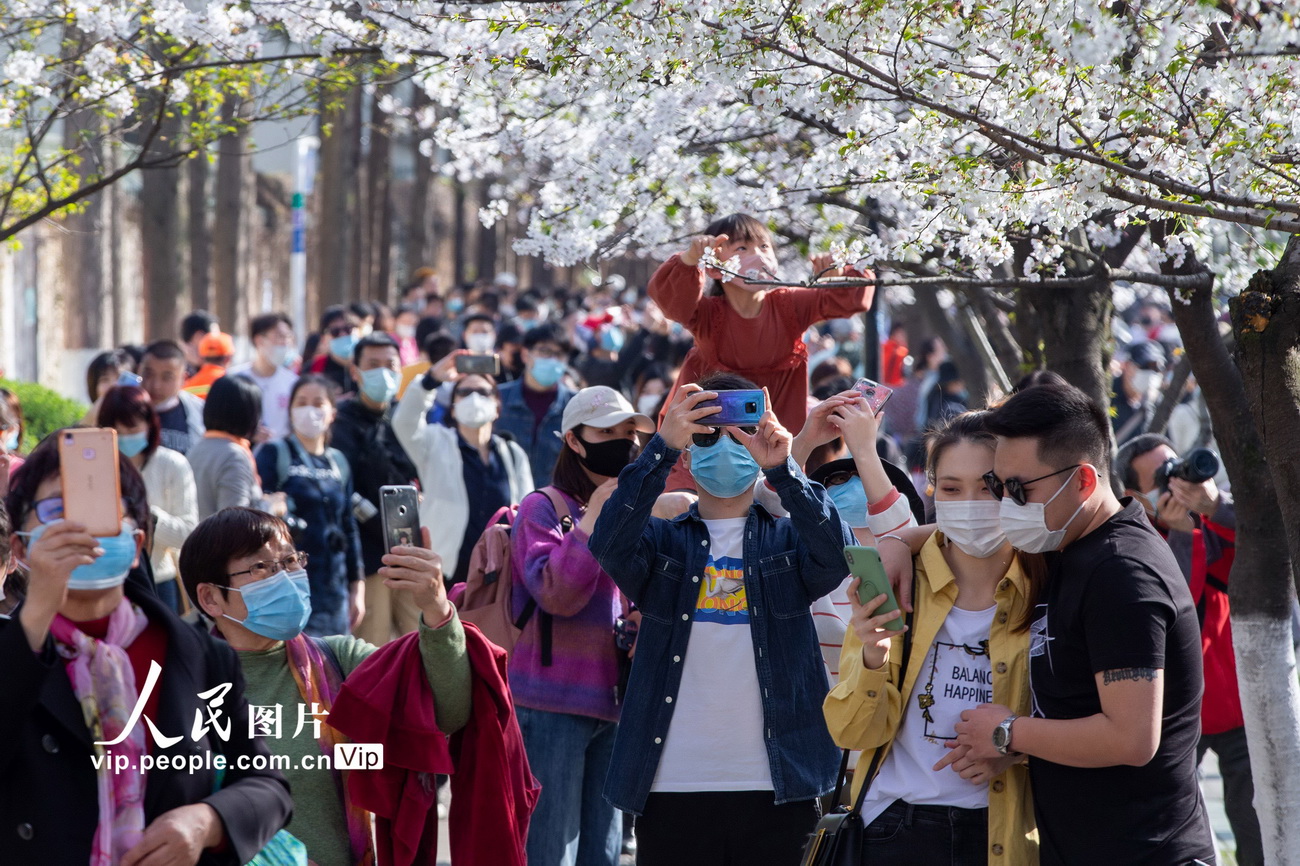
pixel 489 587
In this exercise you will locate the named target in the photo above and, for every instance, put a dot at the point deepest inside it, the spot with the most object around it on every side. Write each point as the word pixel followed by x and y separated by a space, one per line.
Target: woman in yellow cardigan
pixel 929 804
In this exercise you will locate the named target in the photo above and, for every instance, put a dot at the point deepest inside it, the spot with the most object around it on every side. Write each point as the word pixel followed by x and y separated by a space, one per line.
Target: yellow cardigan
pixel 865 710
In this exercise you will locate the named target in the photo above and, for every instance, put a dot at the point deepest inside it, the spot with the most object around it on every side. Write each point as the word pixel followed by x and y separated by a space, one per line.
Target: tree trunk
pixel 200 239
pixel 969 363
pixel 160 226
pixel 418 240
pixel 1261 587
pixel 1075 329
pixel 226 231
pixel 379 209
pixel 334 203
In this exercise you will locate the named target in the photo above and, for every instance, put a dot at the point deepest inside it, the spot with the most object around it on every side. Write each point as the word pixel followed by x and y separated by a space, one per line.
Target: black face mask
pixel 607 458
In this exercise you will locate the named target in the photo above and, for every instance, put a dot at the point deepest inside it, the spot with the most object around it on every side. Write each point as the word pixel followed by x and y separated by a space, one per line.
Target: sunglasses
pixel 835 479
pixel 340 330
pixel 1014 487
pixel 708 440
pixel 482 392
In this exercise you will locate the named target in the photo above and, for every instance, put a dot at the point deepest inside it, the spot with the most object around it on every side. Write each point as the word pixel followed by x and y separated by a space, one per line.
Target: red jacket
pixel 1221 706
pixel 387 700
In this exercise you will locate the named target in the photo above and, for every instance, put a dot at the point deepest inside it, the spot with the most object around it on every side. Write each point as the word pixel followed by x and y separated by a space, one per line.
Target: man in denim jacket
pixel 722 750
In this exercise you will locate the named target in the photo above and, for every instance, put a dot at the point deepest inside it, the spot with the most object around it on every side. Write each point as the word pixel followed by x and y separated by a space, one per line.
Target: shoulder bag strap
pixel 902 678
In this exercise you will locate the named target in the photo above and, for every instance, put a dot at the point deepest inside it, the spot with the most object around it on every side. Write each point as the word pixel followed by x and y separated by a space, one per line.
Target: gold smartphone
pixel 92 486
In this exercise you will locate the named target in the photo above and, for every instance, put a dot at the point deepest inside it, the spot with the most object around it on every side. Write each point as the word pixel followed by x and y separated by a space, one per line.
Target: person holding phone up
pixel 467 472
pixel 930 803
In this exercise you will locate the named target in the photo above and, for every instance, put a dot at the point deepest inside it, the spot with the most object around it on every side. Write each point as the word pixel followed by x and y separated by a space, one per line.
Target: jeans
pixel 928 836
pixel 1238 791
pixel 169 594
pixel 723 828
pixel 573 825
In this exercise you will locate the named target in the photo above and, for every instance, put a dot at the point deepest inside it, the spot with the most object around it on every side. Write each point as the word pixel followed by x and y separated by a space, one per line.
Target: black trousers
pixel 723 828
pixel 928 836
pixel 1238 791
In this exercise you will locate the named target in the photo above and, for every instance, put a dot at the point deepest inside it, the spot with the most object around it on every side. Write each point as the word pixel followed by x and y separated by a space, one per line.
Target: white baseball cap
pixel 599 406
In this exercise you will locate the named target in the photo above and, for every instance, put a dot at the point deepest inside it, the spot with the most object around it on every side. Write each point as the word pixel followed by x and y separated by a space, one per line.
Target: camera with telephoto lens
pixel 1197 467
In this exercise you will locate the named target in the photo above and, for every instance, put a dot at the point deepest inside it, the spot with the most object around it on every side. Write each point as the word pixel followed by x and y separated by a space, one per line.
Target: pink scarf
pixel 104 683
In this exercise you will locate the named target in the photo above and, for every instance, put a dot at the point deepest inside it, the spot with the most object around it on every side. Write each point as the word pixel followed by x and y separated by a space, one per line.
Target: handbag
pixel 837 839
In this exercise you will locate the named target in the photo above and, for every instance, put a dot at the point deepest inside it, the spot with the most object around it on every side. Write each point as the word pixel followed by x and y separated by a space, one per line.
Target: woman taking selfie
pixel 929 804
pixel 564 671
pixel 467 472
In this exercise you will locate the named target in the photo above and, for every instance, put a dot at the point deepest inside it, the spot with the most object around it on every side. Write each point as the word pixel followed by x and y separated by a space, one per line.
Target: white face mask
pixel 646 403
pixel 475 410
pixel 406 332
pixel 309 421
pixel 480 344
pixel 974 525
pixel 1147 384
pixel 1026 525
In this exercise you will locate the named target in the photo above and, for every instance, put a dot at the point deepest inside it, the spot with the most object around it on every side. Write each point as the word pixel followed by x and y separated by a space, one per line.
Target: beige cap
pixel 600 406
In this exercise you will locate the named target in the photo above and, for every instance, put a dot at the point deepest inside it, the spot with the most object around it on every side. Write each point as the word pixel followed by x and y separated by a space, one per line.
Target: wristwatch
pixel 1002 735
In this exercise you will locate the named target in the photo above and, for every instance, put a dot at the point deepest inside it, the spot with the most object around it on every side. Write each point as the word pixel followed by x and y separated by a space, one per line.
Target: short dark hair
pixel 427 326
pixel 549 333
pixel 437 346
pixel 362 309
pixel 43 463
pixel 724 380
pixel 165 350
pixel 1132 450
pixel 226 535
pixel 234 406
pixel 267 322
pixel 128 405
pixel 1068 425
pixel 197 322
pixel 113 359
pixel 373 340
pixel 1035 378
pixel 331 387
pixel 334 313
pixel 478 317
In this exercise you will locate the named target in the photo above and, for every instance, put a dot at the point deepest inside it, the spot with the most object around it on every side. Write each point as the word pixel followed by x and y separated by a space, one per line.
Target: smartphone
pixel 92 487
pixel 864 564
pixel 399 507
pixel 877 394
pixel 739 409
pixel 478 365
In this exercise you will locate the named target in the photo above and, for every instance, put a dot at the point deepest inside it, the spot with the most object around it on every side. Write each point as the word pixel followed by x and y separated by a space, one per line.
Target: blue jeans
pixel 573 825
pixel 169 593
pixel 928 836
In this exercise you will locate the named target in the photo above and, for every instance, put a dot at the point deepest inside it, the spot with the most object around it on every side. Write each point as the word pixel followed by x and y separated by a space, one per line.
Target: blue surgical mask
pixel 380 384
pixel 276 355
pixel 548 371
pixel 725 469
pixel 850 500
pixel 11 441
pixel 611 340
pixel 278 606
pixel 342 347
pixel 131 444
pixel 108 570
pixel 455 305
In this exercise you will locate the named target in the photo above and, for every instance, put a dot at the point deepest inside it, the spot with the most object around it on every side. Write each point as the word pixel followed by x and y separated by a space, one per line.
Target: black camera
pixel 1197 467
pixel 297 526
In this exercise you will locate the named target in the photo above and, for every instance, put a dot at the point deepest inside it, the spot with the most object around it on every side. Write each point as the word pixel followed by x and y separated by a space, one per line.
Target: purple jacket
pixel 559 572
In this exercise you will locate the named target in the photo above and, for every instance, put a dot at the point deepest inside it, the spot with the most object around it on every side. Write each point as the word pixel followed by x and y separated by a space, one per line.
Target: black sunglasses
pixel 1014 487
pixel 340 330
pixel 707 440
pixel 482 392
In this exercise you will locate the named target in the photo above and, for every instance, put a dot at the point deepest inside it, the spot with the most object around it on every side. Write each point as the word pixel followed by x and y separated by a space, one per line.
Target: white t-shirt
pixel 715 740
pixel 956 676
pixel 275 396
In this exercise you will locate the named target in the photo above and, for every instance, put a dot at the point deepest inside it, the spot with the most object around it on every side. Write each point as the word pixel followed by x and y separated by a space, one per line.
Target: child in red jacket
pixel 755 331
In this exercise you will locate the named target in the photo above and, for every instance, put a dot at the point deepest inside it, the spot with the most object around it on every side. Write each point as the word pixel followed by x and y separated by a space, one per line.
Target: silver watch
pixel 1002 735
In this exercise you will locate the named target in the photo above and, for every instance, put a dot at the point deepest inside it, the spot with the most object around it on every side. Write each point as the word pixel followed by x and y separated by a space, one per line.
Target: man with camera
pixel 1198 521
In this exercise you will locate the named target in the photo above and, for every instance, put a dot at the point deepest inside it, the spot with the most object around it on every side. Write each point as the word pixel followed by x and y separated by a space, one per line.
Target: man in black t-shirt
pixel 1115 656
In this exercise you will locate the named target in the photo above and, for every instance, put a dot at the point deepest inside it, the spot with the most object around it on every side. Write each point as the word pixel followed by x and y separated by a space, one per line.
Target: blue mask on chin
pixel 725 469
pixel 108 570
pixel 278 606
pixel 850 500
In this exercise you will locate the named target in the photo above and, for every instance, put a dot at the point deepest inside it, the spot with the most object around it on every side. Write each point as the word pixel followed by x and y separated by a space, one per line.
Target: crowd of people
pixel 691 667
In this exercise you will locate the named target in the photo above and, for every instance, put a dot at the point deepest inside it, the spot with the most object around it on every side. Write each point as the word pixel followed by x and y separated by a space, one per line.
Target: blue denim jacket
pixel 518 420
pixel 789 563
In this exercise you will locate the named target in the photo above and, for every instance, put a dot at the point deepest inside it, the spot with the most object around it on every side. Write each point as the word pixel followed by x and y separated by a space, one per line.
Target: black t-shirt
pixel 1116 599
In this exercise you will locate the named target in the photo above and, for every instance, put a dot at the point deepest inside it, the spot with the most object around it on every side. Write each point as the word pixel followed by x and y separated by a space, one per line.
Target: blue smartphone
pixel 129 379
pixel 739 409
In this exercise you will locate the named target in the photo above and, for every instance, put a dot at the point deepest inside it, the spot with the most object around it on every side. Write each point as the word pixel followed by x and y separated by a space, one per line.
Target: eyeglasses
pixel 482 392
pixel 548 352
pixel 340 330
pixel 260 570
pixel 1014 487
pixel 707 440
pixel 835 479
pixel 47 510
